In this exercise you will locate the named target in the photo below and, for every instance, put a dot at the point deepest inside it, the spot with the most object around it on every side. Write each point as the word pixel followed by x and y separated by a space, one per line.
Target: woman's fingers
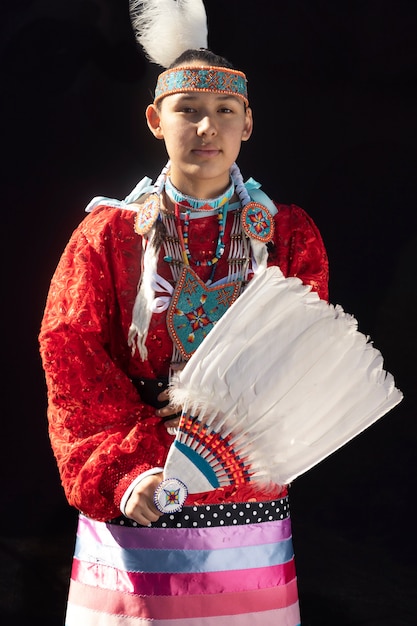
pixel 140 505
pixel 170 414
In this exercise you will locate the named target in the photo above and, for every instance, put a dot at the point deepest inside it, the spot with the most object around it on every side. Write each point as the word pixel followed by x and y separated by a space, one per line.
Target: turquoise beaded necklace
pixel 184 204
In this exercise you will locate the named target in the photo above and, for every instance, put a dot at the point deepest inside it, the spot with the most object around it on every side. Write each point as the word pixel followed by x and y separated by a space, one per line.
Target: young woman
pixel 108 350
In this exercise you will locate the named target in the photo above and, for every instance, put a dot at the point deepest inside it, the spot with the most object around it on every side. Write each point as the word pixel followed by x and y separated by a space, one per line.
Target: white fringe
pixel 142 309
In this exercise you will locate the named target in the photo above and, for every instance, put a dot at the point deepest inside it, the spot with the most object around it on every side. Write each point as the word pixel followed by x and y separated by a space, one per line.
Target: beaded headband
pixel 209 78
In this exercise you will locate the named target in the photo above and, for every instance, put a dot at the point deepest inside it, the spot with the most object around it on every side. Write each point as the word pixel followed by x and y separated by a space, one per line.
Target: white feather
pixel 166 28
pixel 288 376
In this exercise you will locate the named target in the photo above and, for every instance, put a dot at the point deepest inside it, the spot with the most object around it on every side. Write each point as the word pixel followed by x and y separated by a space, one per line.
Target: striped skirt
pixel 207 565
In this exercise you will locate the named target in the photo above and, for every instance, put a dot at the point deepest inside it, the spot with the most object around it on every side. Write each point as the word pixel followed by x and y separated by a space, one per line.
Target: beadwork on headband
pixel 212 79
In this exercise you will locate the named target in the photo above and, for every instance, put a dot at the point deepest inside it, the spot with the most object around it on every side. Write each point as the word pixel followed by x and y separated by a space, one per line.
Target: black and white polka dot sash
pixel 232 514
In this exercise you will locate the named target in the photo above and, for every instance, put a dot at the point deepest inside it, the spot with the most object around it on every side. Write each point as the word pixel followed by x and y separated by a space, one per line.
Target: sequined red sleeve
pixel 299 249
pixel 101 434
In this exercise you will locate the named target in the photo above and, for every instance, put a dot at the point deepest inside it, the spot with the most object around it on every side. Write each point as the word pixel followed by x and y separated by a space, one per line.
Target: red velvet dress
pixel 101 433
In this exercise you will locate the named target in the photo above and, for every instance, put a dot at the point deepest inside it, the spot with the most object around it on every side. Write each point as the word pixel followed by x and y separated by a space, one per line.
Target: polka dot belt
pixel 232 514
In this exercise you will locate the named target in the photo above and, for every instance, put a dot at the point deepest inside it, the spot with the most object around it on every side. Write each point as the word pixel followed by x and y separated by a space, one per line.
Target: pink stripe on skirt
pixel 290 616
pixel 183 607
pixel 163 584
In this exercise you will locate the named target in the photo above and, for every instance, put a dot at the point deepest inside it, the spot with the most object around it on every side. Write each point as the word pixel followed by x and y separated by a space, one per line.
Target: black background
pixel 333 86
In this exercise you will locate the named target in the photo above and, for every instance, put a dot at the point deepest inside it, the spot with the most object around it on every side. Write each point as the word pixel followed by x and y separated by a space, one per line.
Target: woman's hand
pixel 140 505
pixel 171 415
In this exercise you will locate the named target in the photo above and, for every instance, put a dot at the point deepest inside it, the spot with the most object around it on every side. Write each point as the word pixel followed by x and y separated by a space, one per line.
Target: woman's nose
pixel 206 126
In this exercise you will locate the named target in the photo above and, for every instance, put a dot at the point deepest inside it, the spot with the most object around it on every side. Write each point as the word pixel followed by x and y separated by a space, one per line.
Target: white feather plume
pixel 166 28
pixel 287 377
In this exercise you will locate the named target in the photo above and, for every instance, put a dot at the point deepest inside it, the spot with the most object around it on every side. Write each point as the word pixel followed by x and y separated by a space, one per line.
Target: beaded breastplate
pixel 195 308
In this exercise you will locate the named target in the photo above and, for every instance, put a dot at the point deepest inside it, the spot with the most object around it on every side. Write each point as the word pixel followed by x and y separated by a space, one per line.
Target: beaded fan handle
pixel 200 459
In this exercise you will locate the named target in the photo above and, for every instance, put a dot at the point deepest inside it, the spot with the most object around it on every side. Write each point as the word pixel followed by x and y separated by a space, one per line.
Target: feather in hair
pixel 166 28
pixel 282 381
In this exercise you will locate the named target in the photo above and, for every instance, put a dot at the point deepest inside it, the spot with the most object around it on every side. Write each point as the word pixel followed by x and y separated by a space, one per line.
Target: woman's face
pixel 203 132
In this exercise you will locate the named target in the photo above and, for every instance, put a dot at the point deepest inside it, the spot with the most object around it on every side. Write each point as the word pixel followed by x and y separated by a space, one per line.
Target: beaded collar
pixel 198 203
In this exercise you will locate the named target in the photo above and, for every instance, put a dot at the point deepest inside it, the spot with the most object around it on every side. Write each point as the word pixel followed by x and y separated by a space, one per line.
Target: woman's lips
pixel 206 152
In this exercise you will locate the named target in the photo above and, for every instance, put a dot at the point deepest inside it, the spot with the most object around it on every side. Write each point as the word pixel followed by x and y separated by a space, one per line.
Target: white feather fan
pixel 282 381
pixel 166 28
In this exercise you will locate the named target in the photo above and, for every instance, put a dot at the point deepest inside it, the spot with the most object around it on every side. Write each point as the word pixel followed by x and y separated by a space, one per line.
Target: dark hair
pixel 204 55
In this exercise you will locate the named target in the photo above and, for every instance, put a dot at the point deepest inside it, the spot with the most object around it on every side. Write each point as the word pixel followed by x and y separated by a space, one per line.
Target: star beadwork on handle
pixel 172 496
